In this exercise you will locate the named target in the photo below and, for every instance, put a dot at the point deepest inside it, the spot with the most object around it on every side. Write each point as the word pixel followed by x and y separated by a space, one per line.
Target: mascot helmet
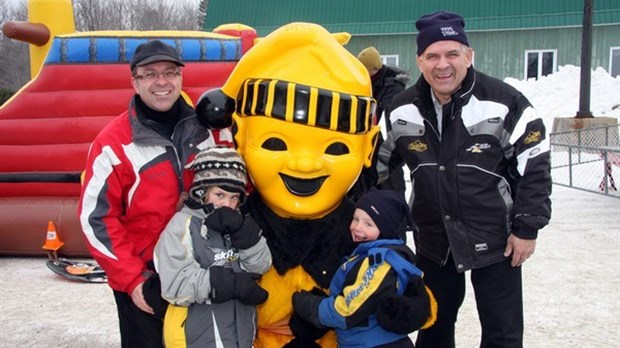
pixel 303 111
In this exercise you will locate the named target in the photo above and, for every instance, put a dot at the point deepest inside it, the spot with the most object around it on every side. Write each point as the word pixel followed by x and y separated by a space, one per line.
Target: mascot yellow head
pixel 303 118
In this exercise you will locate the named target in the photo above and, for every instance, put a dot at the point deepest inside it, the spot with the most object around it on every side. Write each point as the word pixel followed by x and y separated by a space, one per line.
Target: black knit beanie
pixel 439 26
pixel 389 210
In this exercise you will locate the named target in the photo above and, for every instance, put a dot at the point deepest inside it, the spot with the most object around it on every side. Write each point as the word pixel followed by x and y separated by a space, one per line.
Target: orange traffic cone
pixel 52 242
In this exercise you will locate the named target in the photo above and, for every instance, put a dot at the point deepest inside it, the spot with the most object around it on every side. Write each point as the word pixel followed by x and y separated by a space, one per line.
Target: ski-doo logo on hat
pixel 448 31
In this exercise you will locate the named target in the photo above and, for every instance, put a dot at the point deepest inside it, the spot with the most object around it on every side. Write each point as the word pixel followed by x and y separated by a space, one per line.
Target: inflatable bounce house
pixel 80 81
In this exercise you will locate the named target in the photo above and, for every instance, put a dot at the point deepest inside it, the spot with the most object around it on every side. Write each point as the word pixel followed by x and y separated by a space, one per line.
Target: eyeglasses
pixel 152 76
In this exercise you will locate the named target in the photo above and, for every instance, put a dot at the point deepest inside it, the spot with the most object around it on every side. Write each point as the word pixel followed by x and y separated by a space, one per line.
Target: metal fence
pixel 587 159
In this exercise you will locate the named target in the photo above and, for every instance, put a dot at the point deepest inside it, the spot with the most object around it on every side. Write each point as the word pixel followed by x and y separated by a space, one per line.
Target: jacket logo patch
pixel 493 120
pixel 229 255
pixel 481 247
pixel 417 146
pixel 532 137
pixel 365 283
pixel 477 148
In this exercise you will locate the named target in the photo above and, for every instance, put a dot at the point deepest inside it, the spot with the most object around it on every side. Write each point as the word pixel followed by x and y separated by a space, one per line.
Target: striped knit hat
pixel 218 166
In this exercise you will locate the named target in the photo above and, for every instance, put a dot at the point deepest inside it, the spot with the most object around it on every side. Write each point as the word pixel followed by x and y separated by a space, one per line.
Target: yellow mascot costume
pixel 303 112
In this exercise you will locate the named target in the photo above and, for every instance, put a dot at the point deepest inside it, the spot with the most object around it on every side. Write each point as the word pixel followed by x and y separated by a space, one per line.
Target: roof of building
pixel 366 17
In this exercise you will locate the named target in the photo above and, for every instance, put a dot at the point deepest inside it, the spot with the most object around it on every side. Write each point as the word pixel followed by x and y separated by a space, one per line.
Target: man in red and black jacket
pixel 135 179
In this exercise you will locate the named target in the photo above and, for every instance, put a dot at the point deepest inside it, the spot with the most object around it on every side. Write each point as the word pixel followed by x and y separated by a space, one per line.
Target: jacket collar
pixel 142 134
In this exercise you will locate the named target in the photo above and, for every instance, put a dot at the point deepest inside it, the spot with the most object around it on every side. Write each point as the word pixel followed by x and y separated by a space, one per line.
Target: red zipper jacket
pixel 132 184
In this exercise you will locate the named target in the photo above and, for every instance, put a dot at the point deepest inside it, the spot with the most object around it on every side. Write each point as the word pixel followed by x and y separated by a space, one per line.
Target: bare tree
pixel 90 15
pixel 135 15
pixel 93 15
pixel 202 14
pixel 13 72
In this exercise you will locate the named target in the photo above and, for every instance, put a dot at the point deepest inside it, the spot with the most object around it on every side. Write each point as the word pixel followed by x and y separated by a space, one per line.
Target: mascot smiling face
pixel 302 171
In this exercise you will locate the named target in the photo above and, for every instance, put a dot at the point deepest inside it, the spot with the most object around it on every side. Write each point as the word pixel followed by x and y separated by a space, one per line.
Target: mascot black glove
pixel 226 285
pixel 244 232
pixel 407 313
pixel 151 290
pixel 306 331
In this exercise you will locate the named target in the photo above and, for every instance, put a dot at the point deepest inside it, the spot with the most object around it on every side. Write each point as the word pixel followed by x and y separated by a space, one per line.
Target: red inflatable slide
pixel 47 127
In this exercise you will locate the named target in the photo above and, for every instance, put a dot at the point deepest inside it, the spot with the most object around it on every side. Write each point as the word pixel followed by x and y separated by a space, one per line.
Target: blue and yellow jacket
pixel 375 270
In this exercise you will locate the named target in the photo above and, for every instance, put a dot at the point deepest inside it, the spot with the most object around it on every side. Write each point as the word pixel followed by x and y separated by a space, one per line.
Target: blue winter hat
pixel 389 210
pixel 439 26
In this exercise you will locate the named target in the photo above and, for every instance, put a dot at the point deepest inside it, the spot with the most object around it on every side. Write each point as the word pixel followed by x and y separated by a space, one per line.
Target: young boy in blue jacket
pixel 377 297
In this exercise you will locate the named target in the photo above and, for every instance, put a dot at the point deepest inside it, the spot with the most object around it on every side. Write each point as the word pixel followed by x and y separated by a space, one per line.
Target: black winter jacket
pixel 386 83
pixel 487 176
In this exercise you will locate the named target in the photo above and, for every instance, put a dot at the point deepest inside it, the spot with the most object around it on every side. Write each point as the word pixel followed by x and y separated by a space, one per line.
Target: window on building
pixel 390 59
pixel 614 61
pixel 540 63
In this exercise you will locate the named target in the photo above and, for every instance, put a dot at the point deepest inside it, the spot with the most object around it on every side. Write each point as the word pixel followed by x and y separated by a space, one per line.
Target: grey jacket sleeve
pixel 183 281
pixel 256 259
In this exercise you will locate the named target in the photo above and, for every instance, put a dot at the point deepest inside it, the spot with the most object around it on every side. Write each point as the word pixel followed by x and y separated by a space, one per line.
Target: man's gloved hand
pixel 407 313
pixel 151 290
pixel 244 232
pixel 226 285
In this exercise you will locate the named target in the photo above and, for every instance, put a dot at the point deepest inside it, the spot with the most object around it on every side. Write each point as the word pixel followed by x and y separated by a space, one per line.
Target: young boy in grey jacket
pixel 209 257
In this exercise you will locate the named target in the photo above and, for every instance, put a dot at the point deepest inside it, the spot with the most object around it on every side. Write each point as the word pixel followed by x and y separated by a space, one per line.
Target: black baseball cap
pixel 154 51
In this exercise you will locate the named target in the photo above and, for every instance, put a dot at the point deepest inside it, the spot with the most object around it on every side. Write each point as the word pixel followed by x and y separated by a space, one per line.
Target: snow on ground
pixel 571 289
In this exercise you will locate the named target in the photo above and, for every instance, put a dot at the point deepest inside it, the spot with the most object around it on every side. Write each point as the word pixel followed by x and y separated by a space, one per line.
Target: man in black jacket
pixel 479 160
pixel 387 81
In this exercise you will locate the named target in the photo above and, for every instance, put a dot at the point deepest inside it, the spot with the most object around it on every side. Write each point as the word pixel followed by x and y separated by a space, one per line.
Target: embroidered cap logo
pixel 448 31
